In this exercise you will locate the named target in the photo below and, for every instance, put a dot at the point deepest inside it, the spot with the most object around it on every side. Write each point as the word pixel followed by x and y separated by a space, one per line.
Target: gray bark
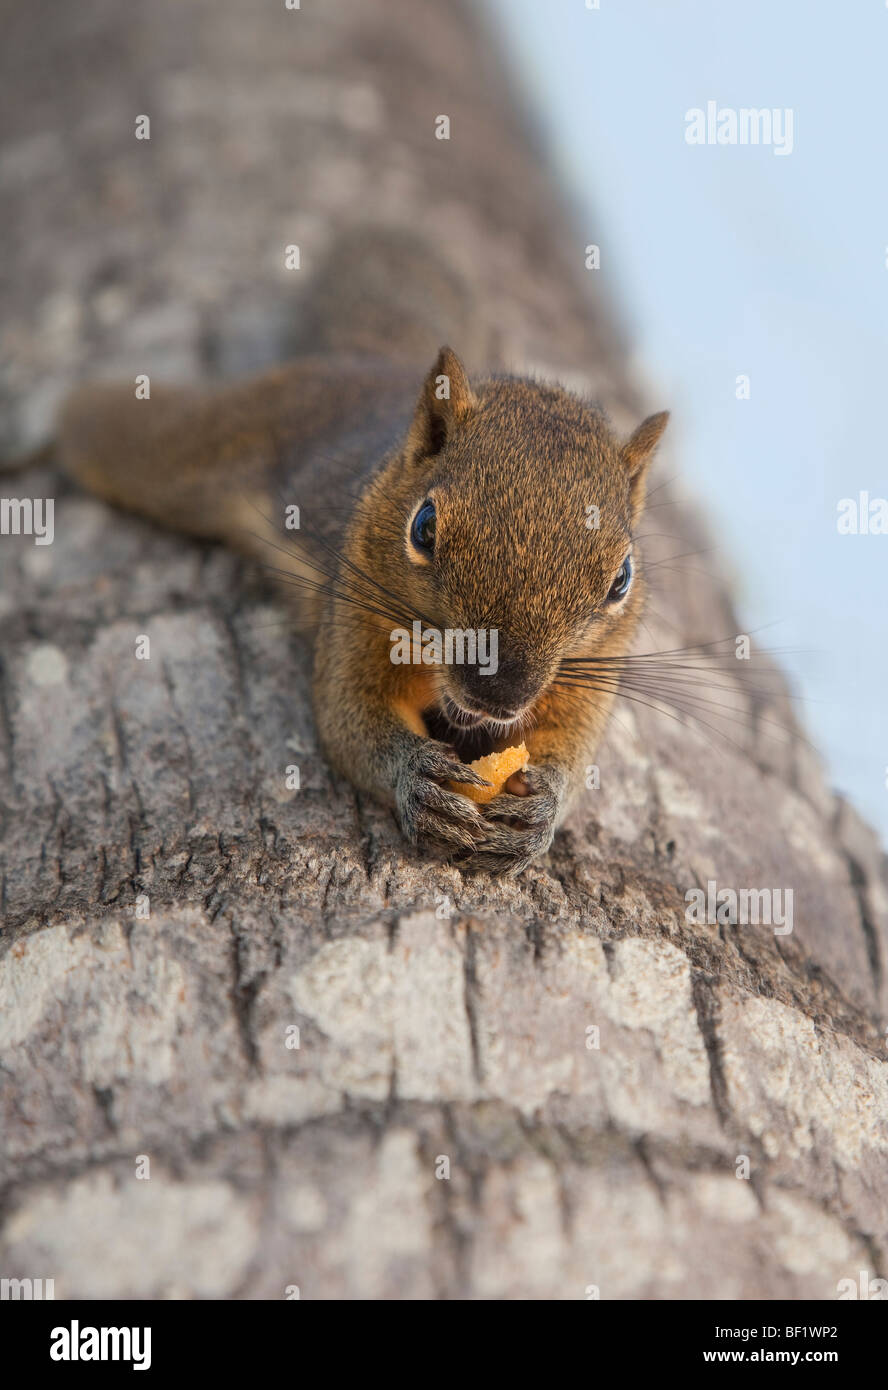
pixel 422 1036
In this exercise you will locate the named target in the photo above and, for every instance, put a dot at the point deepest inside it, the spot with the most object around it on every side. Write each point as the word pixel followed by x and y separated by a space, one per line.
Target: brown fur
pixel 511 466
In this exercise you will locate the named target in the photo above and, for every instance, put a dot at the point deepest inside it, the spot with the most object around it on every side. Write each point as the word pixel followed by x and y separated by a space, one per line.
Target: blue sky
pixel 729 260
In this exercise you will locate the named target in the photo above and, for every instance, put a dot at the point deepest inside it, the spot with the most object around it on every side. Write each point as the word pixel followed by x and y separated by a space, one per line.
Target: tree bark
pixel 447 1125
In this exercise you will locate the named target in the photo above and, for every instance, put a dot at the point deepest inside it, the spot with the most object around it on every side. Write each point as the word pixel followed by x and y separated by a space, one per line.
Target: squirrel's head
pixel 517 505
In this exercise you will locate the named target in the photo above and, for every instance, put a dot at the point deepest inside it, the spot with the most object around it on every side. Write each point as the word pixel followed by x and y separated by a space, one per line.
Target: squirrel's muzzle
pixel 502 694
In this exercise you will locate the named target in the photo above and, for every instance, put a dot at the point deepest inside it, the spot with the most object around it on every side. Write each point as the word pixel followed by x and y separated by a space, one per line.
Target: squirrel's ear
pixel 445 399
pixel 639 449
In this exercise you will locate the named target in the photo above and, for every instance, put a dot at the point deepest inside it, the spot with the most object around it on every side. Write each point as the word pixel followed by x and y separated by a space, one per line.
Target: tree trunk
pixel 350 1068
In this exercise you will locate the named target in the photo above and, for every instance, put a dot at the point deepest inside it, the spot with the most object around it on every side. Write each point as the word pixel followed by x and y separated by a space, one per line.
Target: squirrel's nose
pixel 501 694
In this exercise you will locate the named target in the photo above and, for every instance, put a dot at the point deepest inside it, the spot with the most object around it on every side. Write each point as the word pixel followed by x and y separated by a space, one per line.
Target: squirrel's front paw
pixel 520 827
pixel 428 811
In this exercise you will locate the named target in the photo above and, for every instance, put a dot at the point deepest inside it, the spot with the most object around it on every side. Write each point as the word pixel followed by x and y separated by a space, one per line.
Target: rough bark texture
pixel 422 1035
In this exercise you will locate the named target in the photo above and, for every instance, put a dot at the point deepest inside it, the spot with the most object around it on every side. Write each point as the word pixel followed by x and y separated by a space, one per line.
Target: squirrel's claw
pixel 506 850
pixel 429 811
pixel 520 828
pixel 500 837
pixel 533 810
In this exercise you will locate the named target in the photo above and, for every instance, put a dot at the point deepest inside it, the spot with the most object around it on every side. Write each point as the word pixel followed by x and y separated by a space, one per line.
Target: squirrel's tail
pixel 156 456
pixel 200 460
pixel 33 458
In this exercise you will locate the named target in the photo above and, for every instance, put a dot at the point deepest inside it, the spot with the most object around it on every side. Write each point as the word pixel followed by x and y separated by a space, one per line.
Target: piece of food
pixel 495 768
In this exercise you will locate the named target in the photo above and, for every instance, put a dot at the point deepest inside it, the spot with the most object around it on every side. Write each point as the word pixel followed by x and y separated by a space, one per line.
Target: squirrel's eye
pixel 422 532
pixel 620 587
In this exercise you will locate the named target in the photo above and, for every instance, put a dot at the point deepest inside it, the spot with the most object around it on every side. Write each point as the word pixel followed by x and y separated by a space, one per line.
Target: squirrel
pixel 503 505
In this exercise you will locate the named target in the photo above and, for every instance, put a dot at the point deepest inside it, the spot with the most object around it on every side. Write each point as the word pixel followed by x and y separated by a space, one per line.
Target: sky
pixel 730 260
